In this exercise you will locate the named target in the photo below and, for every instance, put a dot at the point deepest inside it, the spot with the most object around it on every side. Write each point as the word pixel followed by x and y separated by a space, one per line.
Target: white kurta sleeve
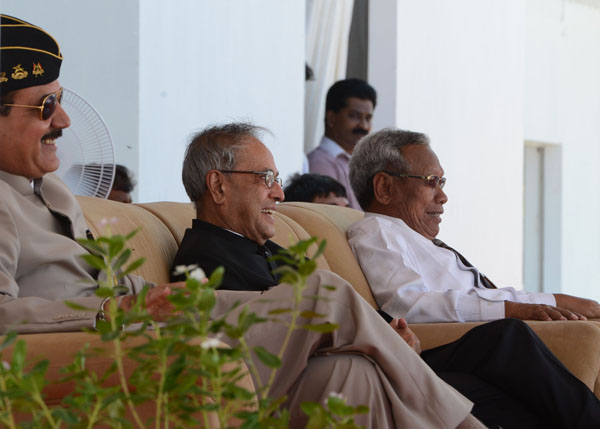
pixel 412 278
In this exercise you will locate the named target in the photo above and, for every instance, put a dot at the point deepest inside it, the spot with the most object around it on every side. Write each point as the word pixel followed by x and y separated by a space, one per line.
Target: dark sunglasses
pixel 432 181
pixel 48 106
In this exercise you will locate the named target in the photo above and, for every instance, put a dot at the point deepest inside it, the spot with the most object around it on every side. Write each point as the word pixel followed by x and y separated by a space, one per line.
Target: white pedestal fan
pixel 86 152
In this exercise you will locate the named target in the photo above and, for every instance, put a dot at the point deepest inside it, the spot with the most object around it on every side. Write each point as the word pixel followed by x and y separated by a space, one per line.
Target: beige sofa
pixel 576 344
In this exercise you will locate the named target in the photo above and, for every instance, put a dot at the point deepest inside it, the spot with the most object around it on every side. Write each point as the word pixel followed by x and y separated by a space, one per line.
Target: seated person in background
pixel 348 112
pixel 514 380
pixel 316 188
pixel 398 180
pixel 41 268
pixel 122 185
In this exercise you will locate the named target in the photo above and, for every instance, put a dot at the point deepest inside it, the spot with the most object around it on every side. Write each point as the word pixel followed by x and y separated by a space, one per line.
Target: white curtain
pixel 328 27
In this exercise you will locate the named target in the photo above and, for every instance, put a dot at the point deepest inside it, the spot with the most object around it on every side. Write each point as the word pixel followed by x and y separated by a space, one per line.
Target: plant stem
pixel 37 397
pixel 162 370
pixel 7 404
pixel 298 288
pixel 94 415
pixel 218 389
pixel 119 361
pixel 250 361
pixel 205 416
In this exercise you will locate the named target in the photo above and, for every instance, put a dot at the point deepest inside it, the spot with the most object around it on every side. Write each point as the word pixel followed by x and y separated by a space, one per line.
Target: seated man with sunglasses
pixel 40 263
pixel 398 181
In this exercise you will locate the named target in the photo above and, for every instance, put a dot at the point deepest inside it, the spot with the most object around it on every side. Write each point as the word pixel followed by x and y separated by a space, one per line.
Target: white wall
pixel 208 61
pixel 455 72
pixel 99 42
pixel 562 105
pixel 156 74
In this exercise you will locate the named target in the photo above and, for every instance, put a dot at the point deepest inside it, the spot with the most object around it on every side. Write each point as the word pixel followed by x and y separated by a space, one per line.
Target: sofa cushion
pixel 154 241
pixel 331 223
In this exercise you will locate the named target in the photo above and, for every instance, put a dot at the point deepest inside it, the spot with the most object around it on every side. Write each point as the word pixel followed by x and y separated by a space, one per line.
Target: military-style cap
pixel 28 55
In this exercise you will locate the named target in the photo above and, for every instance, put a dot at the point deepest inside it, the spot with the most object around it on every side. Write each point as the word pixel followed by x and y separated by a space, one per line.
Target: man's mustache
pixel 53 135
pixel 360 131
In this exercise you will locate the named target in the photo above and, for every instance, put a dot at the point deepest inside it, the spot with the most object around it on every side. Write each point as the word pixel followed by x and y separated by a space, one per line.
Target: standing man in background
pixel 348 113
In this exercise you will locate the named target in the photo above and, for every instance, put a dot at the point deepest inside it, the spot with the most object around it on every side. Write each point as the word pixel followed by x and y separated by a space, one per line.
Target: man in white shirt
pixel 398 181
pixel 348 113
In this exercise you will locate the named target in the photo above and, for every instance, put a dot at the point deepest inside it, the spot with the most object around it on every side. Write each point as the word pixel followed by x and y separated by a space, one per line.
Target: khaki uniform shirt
pixel 40 264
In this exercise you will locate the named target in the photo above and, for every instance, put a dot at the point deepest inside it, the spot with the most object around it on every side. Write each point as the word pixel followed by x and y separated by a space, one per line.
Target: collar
pixel 224 232
pixel 19 183
pixel 399 222
pixel 332 148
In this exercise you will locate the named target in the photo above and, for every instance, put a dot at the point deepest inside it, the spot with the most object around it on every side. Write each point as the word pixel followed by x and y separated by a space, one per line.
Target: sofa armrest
pixel 575 343
pixel 60 350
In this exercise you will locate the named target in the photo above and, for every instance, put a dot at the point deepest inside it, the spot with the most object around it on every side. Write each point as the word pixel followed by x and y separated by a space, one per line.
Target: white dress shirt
pixel 413 278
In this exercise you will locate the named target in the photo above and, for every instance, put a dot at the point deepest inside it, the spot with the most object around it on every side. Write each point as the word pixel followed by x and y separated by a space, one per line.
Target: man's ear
pixel 217 187
pixel 330 117
pixel 383 187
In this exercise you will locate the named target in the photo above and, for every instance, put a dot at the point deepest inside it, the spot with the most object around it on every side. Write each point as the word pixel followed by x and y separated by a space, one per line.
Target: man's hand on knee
pixel 586 307
pixel 401 327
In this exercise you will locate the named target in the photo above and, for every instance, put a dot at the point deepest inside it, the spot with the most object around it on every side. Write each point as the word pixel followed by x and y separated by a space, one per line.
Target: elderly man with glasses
pixel 398 181
pixel 232 179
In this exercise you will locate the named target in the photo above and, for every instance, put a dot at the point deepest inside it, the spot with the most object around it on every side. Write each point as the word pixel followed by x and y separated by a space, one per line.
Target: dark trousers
pixel 514 379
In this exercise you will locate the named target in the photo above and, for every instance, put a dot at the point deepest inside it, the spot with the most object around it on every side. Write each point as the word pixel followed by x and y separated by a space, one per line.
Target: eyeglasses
pixel 432 181
pixel 48 106
pixel 268 175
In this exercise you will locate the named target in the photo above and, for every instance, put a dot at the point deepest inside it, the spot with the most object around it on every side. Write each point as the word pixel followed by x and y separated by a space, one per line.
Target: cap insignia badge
pixel 19 73
pixel 37 70
pixel 3 77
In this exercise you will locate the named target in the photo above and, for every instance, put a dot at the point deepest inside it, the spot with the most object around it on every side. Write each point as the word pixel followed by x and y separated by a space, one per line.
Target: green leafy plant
pixel 179 365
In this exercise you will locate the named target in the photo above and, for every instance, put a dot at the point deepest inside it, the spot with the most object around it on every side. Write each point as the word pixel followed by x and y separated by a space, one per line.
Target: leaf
pixel 361 409
pixel 207 300
pixel 323 328
pixel 18 357
pixel 94 261
pixel 280 311
pixel 9 338
pixel 132 233
pixel 91 245
pixel 111 335
pixel 134 265
pixel 309 407
pixel 302 246
pixel 216 277
pixel 310 314
pixel 105 292
pixel 266 357
pixel 117 242
pixel 64 415
pixel 320 249
pixel 338 406
pixel 79 307
pixel 120 261
pixel 306 268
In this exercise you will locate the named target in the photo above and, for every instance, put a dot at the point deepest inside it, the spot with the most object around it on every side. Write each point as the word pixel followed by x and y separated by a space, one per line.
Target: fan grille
pixel 86 152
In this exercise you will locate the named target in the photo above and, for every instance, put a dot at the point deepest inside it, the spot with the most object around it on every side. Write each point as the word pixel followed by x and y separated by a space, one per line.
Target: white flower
pixel 211 343
pixel 198 274
pixel 183 269
pixel 334 395
pixel 111 221
pixel 6 365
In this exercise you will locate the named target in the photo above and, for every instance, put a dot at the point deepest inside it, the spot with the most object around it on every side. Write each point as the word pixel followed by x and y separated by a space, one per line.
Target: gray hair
pixel 214 148
pixel 378 152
